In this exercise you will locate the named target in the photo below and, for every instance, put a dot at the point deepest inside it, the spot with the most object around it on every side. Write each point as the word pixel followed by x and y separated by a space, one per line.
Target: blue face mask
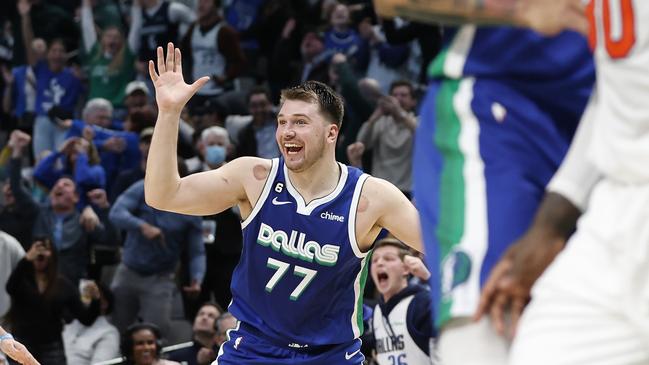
pixel 214 155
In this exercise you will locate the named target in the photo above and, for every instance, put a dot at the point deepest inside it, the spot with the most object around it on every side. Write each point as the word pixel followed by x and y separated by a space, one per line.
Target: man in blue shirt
pixel 144 282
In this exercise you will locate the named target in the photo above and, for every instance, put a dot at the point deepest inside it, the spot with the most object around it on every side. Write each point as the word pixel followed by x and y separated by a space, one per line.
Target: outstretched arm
pixel 15 349
pixel 24 9
pixel 393 211
pixel 546 17
pixel 88 26
pixel 198 194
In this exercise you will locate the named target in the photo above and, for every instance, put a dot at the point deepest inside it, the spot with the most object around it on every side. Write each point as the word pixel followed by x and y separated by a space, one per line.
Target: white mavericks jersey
pixel 620 38
pixel 207 58
pixel 394 343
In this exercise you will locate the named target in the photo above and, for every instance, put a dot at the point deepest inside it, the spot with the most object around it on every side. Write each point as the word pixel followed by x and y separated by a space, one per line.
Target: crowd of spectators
pixel 78 243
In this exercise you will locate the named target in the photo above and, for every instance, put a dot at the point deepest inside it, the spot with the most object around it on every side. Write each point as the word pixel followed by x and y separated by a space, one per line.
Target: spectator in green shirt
pixel 110 63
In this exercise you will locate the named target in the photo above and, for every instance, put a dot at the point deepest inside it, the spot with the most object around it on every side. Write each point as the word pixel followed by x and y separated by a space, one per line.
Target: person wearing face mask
pixel 221 232
pixel 109 59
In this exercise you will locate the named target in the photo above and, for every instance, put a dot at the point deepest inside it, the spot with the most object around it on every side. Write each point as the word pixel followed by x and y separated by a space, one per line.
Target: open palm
pixel 172 93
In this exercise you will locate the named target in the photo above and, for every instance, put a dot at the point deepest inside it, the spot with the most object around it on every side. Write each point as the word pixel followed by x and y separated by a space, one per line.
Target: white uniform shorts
pixel 591 306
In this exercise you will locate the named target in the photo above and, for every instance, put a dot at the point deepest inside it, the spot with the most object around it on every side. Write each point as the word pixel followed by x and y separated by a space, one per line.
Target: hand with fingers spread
pixel 172 93
pixel 508 288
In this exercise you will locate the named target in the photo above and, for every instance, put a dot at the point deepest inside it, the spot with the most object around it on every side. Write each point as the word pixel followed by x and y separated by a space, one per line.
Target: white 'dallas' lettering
pixel 295 246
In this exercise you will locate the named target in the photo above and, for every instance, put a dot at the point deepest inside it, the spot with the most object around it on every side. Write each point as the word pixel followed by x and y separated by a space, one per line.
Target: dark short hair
pixel 256 90
pixel 127 343
pixel 393 242
pixel 143 118
pixel 53 41
pixel 406 83
pixel 330 104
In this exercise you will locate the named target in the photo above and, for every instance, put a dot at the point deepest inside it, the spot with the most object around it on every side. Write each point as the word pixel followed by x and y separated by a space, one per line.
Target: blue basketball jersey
pixel 301 276
pixel 557 73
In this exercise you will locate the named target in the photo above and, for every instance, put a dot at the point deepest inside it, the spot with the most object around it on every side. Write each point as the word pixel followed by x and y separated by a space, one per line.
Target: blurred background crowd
pixel 88 271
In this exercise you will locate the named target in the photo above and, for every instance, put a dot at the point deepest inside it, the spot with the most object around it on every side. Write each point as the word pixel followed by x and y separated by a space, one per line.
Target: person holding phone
pixel 42 300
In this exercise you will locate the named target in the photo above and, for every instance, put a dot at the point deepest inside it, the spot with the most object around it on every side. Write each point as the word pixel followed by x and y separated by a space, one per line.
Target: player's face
pixel 388 270
pixel 204 321
pixel 144 347
pixel 303 134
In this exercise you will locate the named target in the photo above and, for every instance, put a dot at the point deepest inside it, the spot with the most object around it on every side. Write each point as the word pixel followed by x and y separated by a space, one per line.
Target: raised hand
pixel 172 93
pixel 19 139
pixel 24 7
pixel 88 219
pixel 416 267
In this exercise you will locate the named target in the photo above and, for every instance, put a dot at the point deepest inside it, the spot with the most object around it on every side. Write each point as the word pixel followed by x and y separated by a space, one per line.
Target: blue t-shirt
pixel 62 88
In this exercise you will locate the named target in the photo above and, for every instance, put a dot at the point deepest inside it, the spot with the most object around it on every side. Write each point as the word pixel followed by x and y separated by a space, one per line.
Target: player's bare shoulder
pixel 383 205
pixel 252 172
pixel 375 200
pixel 378 194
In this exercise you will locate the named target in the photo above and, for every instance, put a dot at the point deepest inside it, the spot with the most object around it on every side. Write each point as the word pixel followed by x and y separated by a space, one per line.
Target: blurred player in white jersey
pixel 591 306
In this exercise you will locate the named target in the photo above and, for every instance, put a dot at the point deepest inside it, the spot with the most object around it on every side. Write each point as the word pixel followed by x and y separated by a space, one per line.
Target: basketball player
pixel 15 349
pixel 591 306
pixel 309 223
pixel 497 120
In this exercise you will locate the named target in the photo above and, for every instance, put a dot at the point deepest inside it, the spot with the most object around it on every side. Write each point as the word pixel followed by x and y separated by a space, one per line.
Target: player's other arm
pixel 394 211
pixel 200 194
pixel 546 17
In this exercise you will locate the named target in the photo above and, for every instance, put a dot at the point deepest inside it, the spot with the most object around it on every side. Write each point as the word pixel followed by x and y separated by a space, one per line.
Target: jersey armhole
pixel 351 223
pixel 264 193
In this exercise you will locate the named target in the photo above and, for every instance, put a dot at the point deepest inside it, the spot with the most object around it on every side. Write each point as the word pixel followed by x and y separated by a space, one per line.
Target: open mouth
pixel 382 277
pixel 292 148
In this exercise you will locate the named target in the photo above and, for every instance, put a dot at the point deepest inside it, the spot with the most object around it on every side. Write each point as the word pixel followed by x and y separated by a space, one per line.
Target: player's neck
pixel 318 180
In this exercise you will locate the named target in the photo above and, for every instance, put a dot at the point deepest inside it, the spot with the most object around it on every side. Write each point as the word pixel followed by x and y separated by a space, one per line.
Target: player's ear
pixel 332 132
